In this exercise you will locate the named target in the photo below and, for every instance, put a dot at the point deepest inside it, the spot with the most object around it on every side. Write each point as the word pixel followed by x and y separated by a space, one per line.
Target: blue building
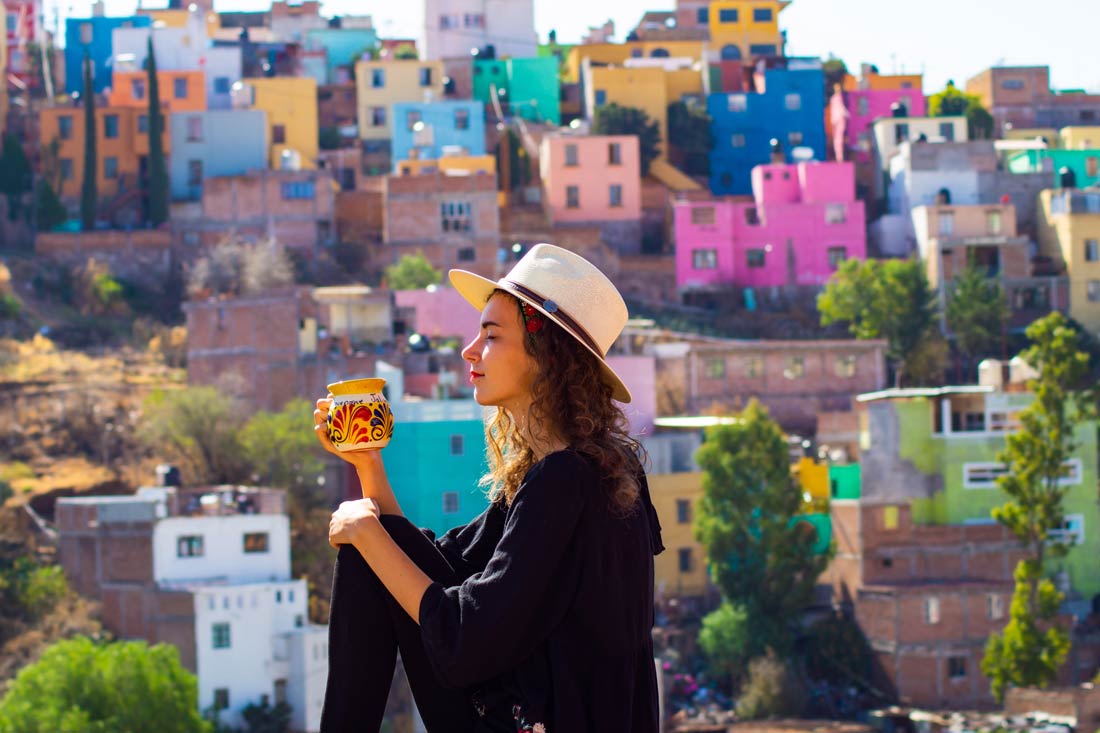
pixel 528 87
pixel 94 35
pixel 214 143
pixel 342 47
pixel 790 109
pixel 429 127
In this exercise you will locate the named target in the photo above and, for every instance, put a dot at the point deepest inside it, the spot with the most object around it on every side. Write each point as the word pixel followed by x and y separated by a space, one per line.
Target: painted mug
pixel 359 417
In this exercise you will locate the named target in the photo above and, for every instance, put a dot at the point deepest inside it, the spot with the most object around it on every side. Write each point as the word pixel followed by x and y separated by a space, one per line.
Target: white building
pixel 452 28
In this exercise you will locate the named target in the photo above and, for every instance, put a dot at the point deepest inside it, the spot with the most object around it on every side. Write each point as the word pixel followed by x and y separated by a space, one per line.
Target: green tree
pixel 265 718
pixel 88 189
pixel 888 299
pixel 835 72
pixel 611 119
pixel 282 450
pixel 690 135
pixel 122 687
pixel 158 170
pixel 406 51
pixel 952 102
pixel 412 272
pixel 51 212
pixel 976 314
pixel 329 138
pixel 198 427
pixel 1032 645
pixel 727 641
pixel 758 554
pixel 15 174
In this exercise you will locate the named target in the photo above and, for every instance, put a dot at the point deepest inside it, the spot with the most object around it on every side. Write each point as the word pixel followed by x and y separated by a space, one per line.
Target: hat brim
pixel 477 289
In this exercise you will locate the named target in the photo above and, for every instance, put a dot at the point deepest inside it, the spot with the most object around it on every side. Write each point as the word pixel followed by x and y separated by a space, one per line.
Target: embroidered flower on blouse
pixel 523 725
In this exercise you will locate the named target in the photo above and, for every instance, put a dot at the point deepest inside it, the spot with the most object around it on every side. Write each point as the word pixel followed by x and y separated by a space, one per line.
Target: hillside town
pixel 211 215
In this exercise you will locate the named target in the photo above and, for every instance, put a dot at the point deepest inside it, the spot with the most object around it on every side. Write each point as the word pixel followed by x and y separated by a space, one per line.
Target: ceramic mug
pixel 359 417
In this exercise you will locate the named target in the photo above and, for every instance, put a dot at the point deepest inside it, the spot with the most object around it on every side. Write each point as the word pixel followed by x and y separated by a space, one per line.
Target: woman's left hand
pixel 351 520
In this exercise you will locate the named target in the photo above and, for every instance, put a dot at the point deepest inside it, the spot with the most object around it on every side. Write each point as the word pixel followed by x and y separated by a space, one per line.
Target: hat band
pixel 555 310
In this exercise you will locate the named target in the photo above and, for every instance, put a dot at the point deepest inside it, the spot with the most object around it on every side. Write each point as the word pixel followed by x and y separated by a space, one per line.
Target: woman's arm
pixel 368 463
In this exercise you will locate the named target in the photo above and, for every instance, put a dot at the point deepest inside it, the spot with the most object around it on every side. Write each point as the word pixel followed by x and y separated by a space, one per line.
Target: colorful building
pixel 93 36
pixel 178 17
pixel 527 87
pixel 180 91
pixel 1079 137
pixel 456 28
pixel 1084 165
pixel 21 23
pixel 379 86
pixel 742 30
pixel 617 54
pixel 785 107
pixel 429 130
pixel 591 178
pixel 455 165
pixel 803 221
pixel 851 114
pixel 889 133
pixel 1069 233
pixel 214 143
pixel 1021 97
pixel 681 570
pixel 291 107
pixel 343 48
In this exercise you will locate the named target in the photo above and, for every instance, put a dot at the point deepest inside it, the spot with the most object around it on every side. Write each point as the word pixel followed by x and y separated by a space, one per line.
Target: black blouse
pixel 554 619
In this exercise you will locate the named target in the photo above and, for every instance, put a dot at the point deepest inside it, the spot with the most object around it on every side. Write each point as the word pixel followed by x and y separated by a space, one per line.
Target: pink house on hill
pixel 850 114
pixel 804 221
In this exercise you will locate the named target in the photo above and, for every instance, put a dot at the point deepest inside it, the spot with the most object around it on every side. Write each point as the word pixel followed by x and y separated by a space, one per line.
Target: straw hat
pixel 567 289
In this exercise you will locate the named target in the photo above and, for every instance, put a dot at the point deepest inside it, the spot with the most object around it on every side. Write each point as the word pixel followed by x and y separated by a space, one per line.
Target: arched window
pixel 731 52
pixel 659 53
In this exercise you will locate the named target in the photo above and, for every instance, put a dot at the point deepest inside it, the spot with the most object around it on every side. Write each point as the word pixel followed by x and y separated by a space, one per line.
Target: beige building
pixel 1069 233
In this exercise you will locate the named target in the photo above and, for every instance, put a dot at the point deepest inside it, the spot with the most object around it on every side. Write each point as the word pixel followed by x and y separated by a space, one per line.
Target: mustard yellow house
pixel 291 107
pixel 617 54
pixel 744 29
pixel 1069 232
pixel 681 570
pixel 381 84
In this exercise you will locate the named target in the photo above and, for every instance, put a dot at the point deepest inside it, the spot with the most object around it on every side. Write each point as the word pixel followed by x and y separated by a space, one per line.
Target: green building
pixel 1085 165
pixel 527 88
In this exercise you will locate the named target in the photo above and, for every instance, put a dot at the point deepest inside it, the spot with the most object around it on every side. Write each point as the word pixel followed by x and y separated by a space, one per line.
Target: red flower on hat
pixel 531 319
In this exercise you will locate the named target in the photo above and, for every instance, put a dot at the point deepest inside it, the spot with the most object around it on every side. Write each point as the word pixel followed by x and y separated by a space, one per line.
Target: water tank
pixel 1019 371
pixel 897 109
pixel 991 373
pixel 290 160
pixel 943 197
pixel 168 475
pixel 1067 178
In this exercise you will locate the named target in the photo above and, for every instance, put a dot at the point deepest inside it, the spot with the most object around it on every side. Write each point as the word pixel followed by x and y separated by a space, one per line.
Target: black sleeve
pixel 468 547
pixel 497 618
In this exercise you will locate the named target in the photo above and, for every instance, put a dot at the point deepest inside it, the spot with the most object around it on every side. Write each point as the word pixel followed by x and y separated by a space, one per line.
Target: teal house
pixel 1085 165
pixel 527 87
pixel 342 47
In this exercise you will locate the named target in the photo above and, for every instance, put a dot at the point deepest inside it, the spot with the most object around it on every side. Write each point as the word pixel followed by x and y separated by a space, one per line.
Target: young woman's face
pixel 501 370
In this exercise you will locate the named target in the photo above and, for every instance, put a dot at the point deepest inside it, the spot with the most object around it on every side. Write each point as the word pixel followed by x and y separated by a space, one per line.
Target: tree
pixel 282 450
pixel 406 51
pixel 690 134
pixel 976 314
pixel 1032 645
pixel 51 212
pixel 123 687
pixel 412 272
pixel 88 190
pixel 611 119
pixel 772 690
pixel 158 171
pixel 835 72
pixel 952 102
pixel 727 641
pixel 888 299
pixel 235 268
pixel 199 428
pixel 15 173
pixel 759 555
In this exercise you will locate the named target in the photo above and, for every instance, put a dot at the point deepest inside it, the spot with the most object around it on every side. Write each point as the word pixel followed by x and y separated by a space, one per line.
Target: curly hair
pixel 572 402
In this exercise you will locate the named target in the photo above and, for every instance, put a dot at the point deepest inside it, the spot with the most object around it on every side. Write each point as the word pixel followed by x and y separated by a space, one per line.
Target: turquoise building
pixel 342 47
pixel 1085 165
pixel 529 87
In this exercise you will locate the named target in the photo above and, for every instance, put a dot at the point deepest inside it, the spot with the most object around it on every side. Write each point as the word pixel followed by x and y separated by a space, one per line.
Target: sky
pixel 944 39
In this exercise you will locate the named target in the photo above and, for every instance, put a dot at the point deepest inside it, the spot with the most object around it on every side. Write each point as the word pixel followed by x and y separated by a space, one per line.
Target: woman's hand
pixel 356 458
pixel 351 520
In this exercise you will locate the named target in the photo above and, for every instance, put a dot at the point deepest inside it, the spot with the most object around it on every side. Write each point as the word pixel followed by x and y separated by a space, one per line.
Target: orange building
pixel 180 91
pixel 122 147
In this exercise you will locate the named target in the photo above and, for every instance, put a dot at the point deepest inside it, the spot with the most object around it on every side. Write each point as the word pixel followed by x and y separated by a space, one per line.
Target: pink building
pixel 591 178
pixel 803 222
pixel 850 115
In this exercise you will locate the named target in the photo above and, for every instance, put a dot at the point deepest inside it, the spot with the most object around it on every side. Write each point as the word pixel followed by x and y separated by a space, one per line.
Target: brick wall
pixel 144 255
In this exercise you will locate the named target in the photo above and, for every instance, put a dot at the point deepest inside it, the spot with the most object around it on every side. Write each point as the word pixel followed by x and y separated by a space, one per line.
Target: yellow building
pixel 743 29
pixel 1030 133
pixel 291 106
pixel 871 80
pixel 1079 138
pixel 681 568
pixel 1069 232
pixel 449 165
pixel 381 84
pixel 176 18
pixel 616 54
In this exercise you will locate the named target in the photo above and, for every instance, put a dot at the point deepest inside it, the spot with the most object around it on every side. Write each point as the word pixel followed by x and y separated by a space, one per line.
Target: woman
pixel 537 615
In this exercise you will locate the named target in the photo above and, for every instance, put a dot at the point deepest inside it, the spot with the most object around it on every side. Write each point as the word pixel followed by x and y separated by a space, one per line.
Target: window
pixel 931 610
pixel 685 559
pixel 194 129
pixel 1092 250
pixel 194 173
pixel 1072 531
pixel 278 134
pixel 110 167
pixel 278 596
pixel 836 213
pixel 762 49
pixel 901 132
pixel 890 517
pixel 455 216
pixel 702 215
pixel 727 15
pixel 796 367
pixel 411 118
pixel 110 126
pixel 994 607
pixel 982 475
pixel 752 216
pixel 462 119
pixel 1012 84
pixel 221 636
pixel 702 16
pixel 221 85
pixel 993 222
pixel 863 107
pixel 66 165
pixel 571 159
pixel 794 138
pixel 378 116
pixel 793 101
pixel 836 255
pixel 755 257
pixel 298 190
pixel 704 259
pixel 1093 291
pixel 189 546
pixel 143 124
pixel 467 254
pixel 600 97
pixel 715 368
pixel 659 53
pixel 737 140
pixel 221 698
pixel 255 542
pixel 572 197
pixel 615 196
pixel 737 102
pixel 280 685
pixel 956 668
pixel 947 131
pixel 446 22
pixel 946 223
pixel 179 88
pixel 845 366
pixel 450 502
pixel 1091 165
pixel 458 445
pixel 754 367
pixel 425 76
pixel 65 127
pixel 683 511
pixel 614 154
pixel 377 78
pixel 762 15
pixel 137 88
pixel 474 20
